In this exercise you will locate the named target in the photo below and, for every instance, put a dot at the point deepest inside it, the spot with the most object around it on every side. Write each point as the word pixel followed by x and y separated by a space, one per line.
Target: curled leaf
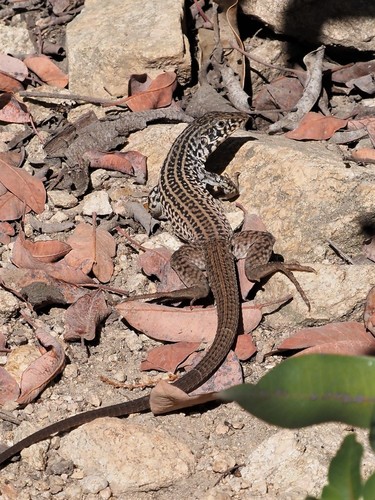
pixel 36 377
pixel 158 94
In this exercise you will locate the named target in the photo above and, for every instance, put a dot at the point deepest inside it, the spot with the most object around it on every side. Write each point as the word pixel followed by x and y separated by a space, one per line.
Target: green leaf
pixel 312 389
pixel 369 488
pixel 344 472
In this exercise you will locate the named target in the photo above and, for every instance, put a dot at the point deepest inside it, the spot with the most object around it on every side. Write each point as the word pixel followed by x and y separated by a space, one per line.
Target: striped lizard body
pixel 181 197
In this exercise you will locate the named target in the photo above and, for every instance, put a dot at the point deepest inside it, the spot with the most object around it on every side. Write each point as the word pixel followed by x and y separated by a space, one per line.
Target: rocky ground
pixel 305 193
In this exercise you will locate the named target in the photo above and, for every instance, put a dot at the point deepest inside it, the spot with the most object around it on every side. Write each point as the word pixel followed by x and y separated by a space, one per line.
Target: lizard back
pixel 195 213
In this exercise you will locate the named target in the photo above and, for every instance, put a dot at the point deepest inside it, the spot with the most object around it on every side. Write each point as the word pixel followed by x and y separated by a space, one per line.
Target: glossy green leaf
pixel 344 472
pixel 312 389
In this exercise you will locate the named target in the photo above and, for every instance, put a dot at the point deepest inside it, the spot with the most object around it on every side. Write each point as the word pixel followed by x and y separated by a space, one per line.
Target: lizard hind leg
pixel 256 248
pixel 189 263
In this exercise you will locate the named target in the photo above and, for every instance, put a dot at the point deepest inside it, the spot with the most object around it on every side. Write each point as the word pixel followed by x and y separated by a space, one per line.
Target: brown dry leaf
pixel 47 70
pixel 138 83
pixel 282 93
pixel 364 154
pixel 158 95
pixel 128 162
pixel 38 288
pixel 172 324
pixel 368 123
pixel 369 313
pixel 22 258
pixel 48 250
pixel 24 186
pixel 41 371
pixel 92 248
pixel 167 358
pixel 335 338
pixel 317 127
pixel 245 347
pixel 227 375
pixel 6 231
pixel 13 67
pixel 13 111
pixel 165 398
pixel 9 84
pixel 11 207
pixel 364 84
pixel 82 242
pixel 357 70
pixel 83 317
pixel 9 388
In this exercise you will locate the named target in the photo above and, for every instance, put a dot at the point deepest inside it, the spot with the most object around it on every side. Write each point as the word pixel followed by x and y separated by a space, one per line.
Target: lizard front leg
pixel 256 247
pixel 220 186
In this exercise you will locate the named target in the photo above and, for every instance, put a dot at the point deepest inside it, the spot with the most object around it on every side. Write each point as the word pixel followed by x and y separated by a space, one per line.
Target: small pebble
pixel 93 484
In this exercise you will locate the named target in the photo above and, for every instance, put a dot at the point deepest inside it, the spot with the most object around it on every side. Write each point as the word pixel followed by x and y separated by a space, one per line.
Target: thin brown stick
pixel 297 72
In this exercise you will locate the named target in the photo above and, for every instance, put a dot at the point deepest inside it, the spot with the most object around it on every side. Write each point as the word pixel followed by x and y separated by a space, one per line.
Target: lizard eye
pixel 221 123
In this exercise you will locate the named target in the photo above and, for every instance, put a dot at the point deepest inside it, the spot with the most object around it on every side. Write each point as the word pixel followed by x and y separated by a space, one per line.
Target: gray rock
pixel 293 463
pixel 130 457
pixel 62 198
pixel 98 202
pixel 349 23
pixel 93 484
pixel 125 37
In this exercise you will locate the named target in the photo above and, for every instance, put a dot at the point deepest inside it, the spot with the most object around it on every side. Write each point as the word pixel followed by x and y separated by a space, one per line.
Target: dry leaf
pixel 9 388
pixel 138 83
pixel 47 70
pixel 282 93
pixel 83 317
pixel 21 257
pixel 335 338
pixel 11 207
pixel 315 126
pixel 165 398
pixel 13 67
pixel 48 250
pixel 128 162
pixel 24 186
pixel 167 358
pixel 6 231
pixel 244 347
pixel 38 288
pixel 352 72
pixel 9 84
pixel 227 375
pixel 92 248
pixel 41 371
pixel 173 324
pixel 364 155
pixel 13 111
pixel 158 95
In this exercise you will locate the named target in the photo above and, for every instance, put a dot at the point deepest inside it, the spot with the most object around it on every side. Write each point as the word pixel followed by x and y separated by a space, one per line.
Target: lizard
pixel 205 262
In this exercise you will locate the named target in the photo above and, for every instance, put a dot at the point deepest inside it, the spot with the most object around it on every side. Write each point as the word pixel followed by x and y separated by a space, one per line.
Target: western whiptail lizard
pixel 197 217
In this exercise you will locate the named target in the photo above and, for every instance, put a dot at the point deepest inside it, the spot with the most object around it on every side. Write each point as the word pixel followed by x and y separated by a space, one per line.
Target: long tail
pixel 222 277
